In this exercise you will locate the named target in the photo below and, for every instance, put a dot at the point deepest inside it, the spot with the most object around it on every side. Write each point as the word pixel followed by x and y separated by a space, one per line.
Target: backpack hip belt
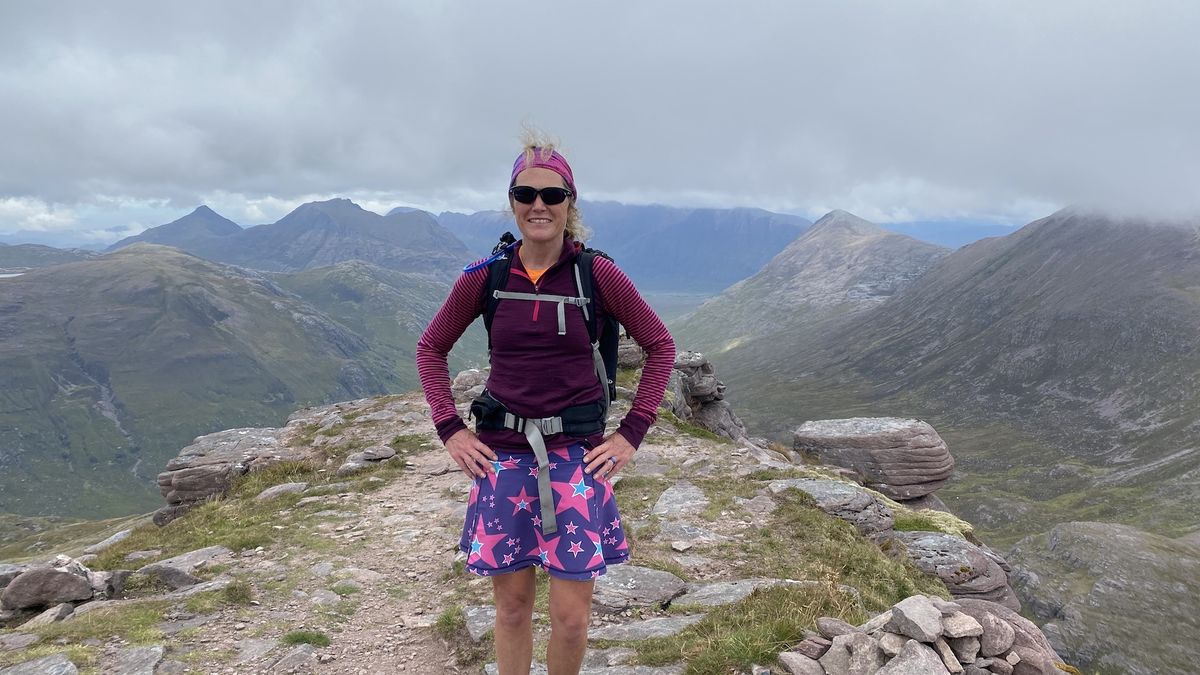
pixel 491 414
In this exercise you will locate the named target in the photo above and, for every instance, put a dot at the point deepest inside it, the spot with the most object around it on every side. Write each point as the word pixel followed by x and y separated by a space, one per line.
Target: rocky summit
pixel 742 560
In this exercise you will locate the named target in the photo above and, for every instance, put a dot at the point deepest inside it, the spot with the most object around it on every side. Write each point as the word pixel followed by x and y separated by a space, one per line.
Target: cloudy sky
pixel 118 116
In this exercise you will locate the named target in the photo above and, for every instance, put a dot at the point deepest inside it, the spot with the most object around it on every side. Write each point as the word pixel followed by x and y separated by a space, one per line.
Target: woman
pixel 543 367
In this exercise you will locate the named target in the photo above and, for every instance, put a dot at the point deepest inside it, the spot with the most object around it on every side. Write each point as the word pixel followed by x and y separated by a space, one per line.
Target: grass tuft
pixel 450 622
pixel 307 637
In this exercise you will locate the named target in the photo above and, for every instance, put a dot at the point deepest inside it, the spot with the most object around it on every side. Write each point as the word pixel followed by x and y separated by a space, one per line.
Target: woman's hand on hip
pixel 606 459
pixel 470 453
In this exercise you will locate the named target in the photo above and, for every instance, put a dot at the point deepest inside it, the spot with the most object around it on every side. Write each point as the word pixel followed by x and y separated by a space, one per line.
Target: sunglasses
pixel 550 195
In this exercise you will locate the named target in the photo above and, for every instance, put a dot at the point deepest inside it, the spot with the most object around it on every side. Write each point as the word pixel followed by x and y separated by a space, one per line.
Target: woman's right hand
pixel 470 453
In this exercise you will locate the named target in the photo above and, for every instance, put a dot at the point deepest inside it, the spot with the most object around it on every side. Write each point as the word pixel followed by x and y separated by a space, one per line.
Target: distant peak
pixel 203 210
pixel 844 220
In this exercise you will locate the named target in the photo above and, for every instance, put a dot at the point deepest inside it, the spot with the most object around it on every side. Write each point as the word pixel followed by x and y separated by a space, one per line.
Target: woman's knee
pixel 514 597
pixel 570 607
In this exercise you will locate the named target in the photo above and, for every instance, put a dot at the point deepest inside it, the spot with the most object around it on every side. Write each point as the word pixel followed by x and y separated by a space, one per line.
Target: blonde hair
pixel 535 140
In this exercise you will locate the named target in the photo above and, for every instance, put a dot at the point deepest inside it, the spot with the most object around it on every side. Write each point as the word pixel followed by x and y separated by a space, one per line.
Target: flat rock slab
pixel 135 661
pixel 217 584
pixel 675 530
pixel 303 656
pixel 481 619
pixel 721 592
pixel 173 627
pixel 281 489
pixel 10 642
pixel 58 664
pixel 680 499
pixel 188 562
pixel 625 586
pixel 115 539
pixel 52 615
pixel 643 630
pixel 251 650
pixel 842 500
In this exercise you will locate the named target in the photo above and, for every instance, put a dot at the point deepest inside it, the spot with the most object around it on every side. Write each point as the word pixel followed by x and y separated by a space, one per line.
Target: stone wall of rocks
pixel 921 635
pixel 699 397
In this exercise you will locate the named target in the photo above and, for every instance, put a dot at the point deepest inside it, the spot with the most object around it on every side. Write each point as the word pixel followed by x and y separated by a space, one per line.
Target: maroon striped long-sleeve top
pixel 535 371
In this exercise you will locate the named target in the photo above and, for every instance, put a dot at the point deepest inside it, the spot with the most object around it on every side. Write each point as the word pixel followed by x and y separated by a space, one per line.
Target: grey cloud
pixel 920 108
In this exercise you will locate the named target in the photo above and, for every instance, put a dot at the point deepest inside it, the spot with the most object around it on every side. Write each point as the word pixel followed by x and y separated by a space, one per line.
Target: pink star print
pixel 573 494
pixel 575 549
pixel 482 544
pixel 546 550
pixel 523 502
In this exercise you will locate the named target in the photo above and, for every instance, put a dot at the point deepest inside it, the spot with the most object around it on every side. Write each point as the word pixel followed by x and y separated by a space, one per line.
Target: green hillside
pixel 113 364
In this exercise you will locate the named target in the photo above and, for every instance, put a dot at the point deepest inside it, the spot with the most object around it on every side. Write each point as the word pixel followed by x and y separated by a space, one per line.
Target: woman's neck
pixel 540 255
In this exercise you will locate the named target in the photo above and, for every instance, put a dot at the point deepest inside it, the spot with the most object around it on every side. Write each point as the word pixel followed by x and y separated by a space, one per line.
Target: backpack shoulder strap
pixel 497 279
pixel 587 288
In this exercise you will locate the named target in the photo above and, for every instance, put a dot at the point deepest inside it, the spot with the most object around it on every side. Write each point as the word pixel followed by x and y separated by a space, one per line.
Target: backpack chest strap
pixel 560 300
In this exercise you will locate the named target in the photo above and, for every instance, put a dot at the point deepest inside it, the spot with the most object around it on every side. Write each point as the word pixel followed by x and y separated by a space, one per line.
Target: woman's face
pixel 537 221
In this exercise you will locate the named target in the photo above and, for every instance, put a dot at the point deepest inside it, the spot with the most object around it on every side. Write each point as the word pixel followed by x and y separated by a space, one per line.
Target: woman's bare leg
pixel 514 594
pixel 570 613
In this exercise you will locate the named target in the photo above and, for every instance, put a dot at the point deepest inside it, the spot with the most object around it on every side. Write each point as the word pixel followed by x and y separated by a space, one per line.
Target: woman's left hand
pixel 606 459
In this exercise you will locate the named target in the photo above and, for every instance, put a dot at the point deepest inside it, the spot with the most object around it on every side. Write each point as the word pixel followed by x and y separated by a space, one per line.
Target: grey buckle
pixel 548 425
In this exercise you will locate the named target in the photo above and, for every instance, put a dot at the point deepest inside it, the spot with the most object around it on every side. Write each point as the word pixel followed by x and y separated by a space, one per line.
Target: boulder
pixel 1026 635
pixel 107 585
pixel 916 617
pixel 853 653
pixel 702 394
pixel 901 458
pixel 43 587
pixel 967 570
pixel 468 384
pixel 843 500
pixel 629 354
pixel 915 659
pixel 800 664
pixel 208 467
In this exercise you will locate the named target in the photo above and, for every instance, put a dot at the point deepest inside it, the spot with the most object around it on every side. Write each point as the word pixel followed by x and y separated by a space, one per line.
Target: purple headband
pixel 554 161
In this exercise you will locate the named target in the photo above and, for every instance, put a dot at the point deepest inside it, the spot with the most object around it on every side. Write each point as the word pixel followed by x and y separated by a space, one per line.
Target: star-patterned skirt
pixel 503 528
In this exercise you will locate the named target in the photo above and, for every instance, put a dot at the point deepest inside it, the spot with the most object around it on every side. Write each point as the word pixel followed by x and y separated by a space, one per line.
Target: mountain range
pixel 1059 361
pixel 317 234
pixel 661 248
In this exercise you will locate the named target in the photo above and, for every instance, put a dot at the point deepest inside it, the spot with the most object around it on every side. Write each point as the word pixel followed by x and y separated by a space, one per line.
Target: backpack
pixel 604 334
